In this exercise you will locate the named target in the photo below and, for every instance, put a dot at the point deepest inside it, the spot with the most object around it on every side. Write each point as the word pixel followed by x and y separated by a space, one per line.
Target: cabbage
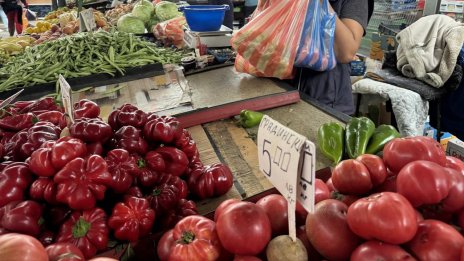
pixel 142 12
pixel 130 24
pixel 147 4
pixel 166 10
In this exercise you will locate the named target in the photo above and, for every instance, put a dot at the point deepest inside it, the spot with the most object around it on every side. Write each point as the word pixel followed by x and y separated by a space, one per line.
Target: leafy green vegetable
pixel 130 24
pixel 166 10
pixel 152 22
pixel 142 12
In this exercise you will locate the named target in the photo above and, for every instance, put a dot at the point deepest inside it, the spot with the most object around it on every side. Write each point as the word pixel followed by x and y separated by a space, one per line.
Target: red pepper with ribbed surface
pixel 123 168
pixel 132 219
pixel 130 139
pixel 91 130
pixel 87 230
pixel 211 181
pixel 127 115
pixel 86 109
pixel 21 217
pixel 14 180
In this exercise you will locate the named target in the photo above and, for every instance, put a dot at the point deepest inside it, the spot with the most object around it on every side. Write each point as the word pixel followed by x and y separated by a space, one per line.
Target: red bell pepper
pixel 162 129
pixel 44 189
pixel 127 115
pixel 19 105
pixel 46 237
pixel 187 144
pixel 82 182
pixel 21 145
pixel 130 139
pixel 87 230
pixel 91 130
pixel 131 219
pixel 122 167
pixel 183 209
pixel 176 161
pixel 47 160
pixel 211 181
pixel 55 217
pixel 95 148
pixel 86 109
pixel 14 180
pixel 163 198
pixel 133 192
pixel 22 217
pixel 180 184
pixel 18 122
pixel 150 168
pixel 55 117
pixel 43 104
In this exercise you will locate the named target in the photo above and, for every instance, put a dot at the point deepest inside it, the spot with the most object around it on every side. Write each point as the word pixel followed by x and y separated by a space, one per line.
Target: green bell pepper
pixel 249 119
pixel 382 135
pixel 330 139
pixel 358 132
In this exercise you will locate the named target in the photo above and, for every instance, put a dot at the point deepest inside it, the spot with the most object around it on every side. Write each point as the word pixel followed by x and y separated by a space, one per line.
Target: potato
pixel 282 248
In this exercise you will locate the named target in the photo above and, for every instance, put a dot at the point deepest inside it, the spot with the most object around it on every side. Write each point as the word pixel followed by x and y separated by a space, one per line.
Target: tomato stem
pixel 81 228
pixel 141 163
pixel 187 237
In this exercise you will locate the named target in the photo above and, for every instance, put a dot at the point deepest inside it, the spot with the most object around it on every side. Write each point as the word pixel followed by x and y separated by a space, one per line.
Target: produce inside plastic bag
pixel 316 48
pixel 270 40
pixel 171 32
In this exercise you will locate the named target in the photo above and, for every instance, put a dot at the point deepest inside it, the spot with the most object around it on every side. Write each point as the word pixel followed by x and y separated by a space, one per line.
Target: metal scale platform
pixel 212 39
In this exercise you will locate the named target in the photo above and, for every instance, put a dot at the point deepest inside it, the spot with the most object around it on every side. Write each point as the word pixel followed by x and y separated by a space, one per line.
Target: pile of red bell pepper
pixel 123 179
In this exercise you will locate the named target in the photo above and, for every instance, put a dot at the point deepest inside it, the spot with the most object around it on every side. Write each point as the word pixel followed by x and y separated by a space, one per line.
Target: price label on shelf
pixel 66 98
pixel 280 151
pixel 87 20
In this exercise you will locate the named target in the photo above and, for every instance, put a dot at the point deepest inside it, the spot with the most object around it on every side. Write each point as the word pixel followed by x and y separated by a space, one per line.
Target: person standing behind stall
pixel 333 88
pixel 14 12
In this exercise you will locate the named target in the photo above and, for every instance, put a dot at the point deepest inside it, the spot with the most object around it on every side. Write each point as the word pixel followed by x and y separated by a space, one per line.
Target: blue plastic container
pixel 204 18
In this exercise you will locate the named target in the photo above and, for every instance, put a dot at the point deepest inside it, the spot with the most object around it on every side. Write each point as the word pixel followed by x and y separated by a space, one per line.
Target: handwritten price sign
pixel 287 160
pixel 87 20
pixel 66 98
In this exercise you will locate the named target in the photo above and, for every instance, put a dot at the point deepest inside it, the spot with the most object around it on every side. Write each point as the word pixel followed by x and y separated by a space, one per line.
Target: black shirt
pixel 333 88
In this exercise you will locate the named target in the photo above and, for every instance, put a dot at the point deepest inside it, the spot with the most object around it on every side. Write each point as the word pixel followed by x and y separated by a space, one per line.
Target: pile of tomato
pixel 406 205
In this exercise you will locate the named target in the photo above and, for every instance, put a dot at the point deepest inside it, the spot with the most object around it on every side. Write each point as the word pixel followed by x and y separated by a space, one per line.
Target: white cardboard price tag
pixel 279 155
pixel 306 185
pixel 87 20
pixel 66 98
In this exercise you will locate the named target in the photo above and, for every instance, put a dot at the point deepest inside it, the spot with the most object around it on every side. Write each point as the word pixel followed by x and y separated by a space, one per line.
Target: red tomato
pixel 19 247
pixel 225 204
pixel 165 245
pixel 376 168
pixel 276 208
pixel 328 231
pixel 367 218
pixel 347 199
pixel 246 258
pixel 330 185
pixel 244 229
pixel 312 252
pixel 401 151
pixel 389 185
pixel 64 252
pixel 423 183
pixel 436 240
pixel 376 250
pixel 195 239
pixel 455 163
pixel 321 192
pixel 454 201
pixel 351 177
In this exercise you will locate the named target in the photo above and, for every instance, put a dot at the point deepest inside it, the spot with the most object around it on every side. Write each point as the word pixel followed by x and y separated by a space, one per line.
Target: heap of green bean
pixel 82 54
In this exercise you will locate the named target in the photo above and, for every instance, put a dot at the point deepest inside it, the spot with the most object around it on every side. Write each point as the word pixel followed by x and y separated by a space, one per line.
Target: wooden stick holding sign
pixel 286 158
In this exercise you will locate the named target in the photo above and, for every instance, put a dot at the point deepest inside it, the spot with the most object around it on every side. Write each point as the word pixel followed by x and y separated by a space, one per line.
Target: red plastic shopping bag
pixel 268 44
pixel 316 48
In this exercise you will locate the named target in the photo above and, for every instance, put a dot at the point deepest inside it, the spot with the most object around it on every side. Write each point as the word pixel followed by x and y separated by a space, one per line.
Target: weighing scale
pixel 212 39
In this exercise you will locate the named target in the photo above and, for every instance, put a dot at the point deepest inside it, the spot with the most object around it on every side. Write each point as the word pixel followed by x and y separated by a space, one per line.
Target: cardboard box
pixel 455 148
pixel 452 6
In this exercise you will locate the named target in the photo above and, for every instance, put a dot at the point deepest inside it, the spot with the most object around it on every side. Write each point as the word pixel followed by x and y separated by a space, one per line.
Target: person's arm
pixel 348 35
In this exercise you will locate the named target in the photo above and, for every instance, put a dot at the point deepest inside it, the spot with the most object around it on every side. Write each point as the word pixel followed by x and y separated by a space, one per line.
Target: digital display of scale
pixel 212 39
